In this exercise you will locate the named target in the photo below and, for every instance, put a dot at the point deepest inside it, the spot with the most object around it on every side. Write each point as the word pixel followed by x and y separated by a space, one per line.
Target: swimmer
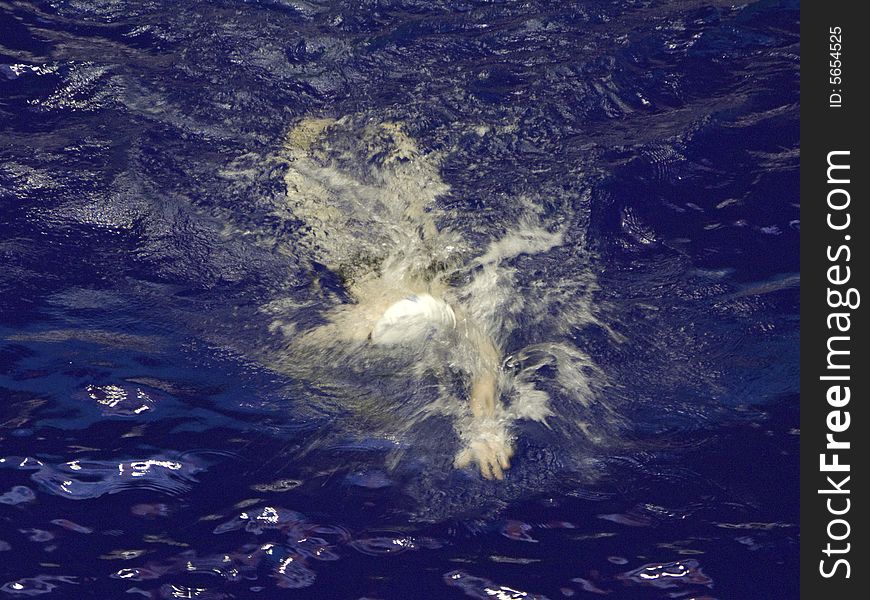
pixel 366 197
pixel 420 317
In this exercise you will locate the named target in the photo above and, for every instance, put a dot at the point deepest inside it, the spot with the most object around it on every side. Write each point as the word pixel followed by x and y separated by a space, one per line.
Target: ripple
pixel 518 531
pixel 37 535
pixel 151 510
pixel 122 554
pixel 21 462
pixel 631 520
pixel 175 592
pixel 70 526
pixel 589 586
pixel 514 560
pixel 136 574
pixel 17 495
pixel 121 401
pixel 36 586
pixel 665 162
pixel 268 517
pixel 88 479
pixel 484 589
pixel 669 575
pixel 85 87
pixel 280 485
pixel 14 71
pixel 314 547
pixel 368 479
pixel 291 573
pixel 382 545
pixel 342 535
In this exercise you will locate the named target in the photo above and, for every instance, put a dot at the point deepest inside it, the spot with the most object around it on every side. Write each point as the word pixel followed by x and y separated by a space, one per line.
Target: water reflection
pixel 88 479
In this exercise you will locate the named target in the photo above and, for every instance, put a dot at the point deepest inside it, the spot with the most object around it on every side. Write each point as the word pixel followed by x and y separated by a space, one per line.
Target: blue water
pixel 149 448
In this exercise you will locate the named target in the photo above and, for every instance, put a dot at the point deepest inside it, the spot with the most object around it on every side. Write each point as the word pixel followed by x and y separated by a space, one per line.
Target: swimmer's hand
pixel 491 455
pixel 486 440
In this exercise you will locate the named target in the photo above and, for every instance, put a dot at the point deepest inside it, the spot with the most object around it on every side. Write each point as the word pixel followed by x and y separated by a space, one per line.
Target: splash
pixel 418 301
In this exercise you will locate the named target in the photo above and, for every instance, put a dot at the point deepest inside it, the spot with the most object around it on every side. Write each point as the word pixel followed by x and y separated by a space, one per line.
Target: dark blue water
pixel 150 450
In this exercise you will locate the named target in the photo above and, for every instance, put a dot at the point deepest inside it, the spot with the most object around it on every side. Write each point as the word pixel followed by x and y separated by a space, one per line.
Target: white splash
pixel 422 298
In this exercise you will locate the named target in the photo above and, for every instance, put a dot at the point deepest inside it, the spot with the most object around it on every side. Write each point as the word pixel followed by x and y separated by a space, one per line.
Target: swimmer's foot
pixel 492 456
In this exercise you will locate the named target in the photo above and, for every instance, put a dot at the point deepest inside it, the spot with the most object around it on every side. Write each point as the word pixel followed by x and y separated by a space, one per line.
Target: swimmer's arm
pixel 483 397
pixel 489 445
pixel 484 375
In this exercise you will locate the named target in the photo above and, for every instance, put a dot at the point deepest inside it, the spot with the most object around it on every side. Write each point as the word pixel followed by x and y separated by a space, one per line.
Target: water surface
pixel 609 188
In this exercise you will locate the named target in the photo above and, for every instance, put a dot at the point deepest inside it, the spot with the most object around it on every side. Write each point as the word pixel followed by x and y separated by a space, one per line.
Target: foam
pixel 422 302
